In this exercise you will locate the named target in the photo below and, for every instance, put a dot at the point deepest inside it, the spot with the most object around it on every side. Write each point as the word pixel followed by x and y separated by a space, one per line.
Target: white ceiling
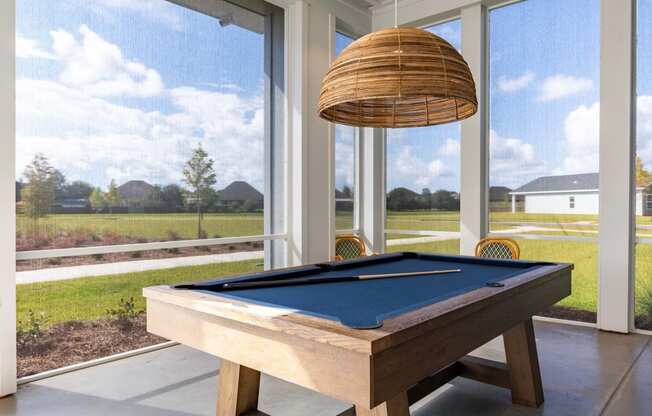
pixel 366 4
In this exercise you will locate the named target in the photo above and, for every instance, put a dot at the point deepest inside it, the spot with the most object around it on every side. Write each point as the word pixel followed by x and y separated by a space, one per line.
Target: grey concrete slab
pixel 582 369
pixel 177 381
pixel 634 397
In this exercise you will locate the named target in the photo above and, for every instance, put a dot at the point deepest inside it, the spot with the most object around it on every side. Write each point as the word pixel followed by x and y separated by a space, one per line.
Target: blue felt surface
pixel 365 304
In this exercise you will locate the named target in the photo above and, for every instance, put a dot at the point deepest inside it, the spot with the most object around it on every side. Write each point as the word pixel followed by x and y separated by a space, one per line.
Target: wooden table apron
pixel 374 369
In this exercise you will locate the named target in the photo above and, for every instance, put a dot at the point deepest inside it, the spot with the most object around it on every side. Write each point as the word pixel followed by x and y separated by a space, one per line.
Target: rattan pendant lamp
pixel 399 77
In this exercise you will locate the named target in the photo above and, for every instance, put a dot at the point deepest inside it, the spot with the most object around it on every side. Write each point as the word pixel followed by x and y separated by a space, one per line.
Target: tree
pixel 77 190
pixel 59 181
pixel 97 199
pixel 112 196
pixel 39 192
pixel 172 197
pixel 643 176
pixel 200 176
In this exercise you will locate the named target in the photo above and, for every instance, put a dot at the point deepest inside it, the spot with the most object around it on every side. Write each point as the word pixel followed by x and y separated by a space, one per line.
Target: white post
pixel 617 181
pixel 311 222
pixel 7 202
pixel 513 203
pixel 474 143
pixel 372 189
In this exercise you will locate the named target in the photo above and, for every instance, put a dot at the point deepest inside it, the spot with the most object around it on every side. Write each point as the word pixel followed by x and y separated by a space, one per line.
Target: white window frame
pixel 617 176
pixel 343 30
pixel 8 255
pixel 8 203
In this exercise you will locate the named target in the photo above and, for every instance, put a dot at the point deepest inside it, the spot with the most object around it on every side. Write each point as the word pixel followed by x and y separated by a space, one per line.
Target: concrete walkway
pixel 91 270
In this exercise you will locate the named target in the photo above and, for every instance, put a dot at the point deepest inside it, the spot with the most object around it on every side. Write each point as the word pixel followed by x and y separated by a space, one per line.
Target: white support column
pixel 372 189
pixel 7 202
pixel 311 222
pixel 617 181
pixel 513 204
pixel 474 143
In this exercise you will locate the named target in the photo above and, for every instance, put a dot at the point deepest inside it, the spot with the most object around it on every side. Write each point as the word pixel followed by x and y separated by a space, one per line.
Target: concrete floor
pixel 585 372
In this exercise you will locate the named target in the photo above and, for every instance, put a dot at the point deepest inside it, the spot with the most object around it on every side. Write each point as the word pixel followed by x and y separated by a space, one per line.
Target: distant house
pixel 134 194
pixel 71 206
pixel 570 194
pixel 238 194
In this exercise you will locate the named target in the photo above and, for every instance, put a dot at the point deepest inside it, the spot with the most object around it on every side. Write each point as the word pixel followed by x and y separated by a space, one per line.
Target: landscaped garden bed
pixel 74 342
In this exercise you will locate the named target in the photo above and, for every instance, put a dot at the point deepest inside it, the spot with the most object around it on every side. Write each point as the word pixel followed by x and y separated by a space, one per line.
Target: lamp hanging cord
pixel 396 13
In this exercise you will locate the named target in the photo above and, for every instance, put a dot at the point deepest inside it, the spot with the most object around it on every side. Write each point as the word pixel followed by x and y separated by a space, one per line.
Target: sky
pixel 119 89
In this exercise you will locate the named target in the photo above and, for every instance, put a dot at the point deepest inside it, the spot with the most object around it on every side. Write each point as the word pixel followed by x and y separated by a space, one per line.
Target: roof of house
pixel 240 191
pixel 498 193
pixel 135 190
pixel 582 181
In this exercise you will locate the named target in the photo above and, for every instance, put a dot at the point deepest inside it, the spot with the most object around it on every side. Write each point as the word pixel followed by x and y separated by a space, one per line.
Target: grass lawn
pixel 149 226
pixel 88 298
pixel 582 254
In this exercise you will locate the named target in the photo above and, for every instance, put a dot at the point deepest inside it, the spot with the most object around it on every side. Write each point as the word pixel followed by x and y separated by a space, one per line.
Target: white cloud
pixel 581 146
pixel 509 85
pixel 513 162
pixel 407 168
pixel 561 86
pixel 91 139
pixel 28 48
pixel 155 10
pixel 451 147
pixel 99 68
pixel 644 130
pixel 344 156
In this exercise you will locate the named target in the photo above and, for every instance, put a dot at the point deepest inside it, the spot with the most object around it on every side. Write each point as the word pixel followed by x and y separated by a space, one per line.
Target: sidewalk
pixel 74 272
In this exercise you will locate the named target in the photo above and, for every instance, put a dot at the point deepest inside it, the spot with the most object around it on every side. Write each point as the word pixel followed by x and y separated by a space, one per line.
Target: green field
pixel 88 298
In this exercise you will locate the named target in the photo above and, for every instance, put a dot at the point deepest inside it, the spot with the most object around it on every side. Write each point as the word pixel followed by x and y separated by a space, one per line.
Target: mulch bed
pixel 25 265
pixel 76 342
pixel 570 314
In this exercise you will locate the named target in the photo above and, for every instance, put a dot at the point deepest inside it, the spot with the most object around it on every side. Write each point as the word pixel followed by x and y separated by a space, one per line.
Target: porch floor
pixel 585 372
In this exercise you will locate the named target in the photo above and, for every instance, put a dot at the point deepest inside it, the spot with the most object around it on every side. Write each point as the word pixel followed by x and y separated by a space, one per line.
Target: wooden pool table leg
pixel 238 390
pixel 397 406
pixel 523 365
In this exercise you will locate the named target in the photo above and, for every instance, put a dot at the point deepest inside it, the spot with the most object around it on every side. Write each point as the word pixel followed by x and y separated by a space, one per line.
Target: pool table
pixel 380 344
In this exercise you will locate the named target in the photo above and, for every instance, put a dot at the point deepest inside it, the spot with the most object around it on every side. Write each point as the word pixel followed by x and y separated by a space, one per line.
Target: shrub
pixel 30 333
pixel 173 236
pixel 98 257
pixel 136 254
pixel 645 303
pixel 125 314
pixel 55 261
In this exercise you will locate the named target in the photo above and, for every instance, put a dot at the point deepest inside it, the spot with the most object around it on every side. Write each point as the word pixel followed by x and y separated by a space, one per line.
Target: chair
pixel 349 247
pixel 498 248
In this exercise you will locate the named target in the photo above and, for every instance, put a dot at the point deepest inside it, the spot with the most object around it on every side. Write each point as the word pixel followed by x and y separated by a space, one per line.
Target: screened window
pixel 643 268
pixel 544 121
pixel 423 180
pixel 139 124
pixel 346 145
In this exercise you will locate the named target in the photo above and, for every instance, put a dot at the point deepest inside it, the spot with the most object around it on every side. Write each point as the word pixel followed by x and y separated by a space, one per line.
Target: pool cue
pixel 327 279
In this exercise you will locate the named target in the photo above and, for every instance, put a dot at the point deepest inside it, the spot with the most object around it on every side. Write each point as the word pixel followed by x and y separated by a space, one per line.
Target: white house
pixel 570 194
